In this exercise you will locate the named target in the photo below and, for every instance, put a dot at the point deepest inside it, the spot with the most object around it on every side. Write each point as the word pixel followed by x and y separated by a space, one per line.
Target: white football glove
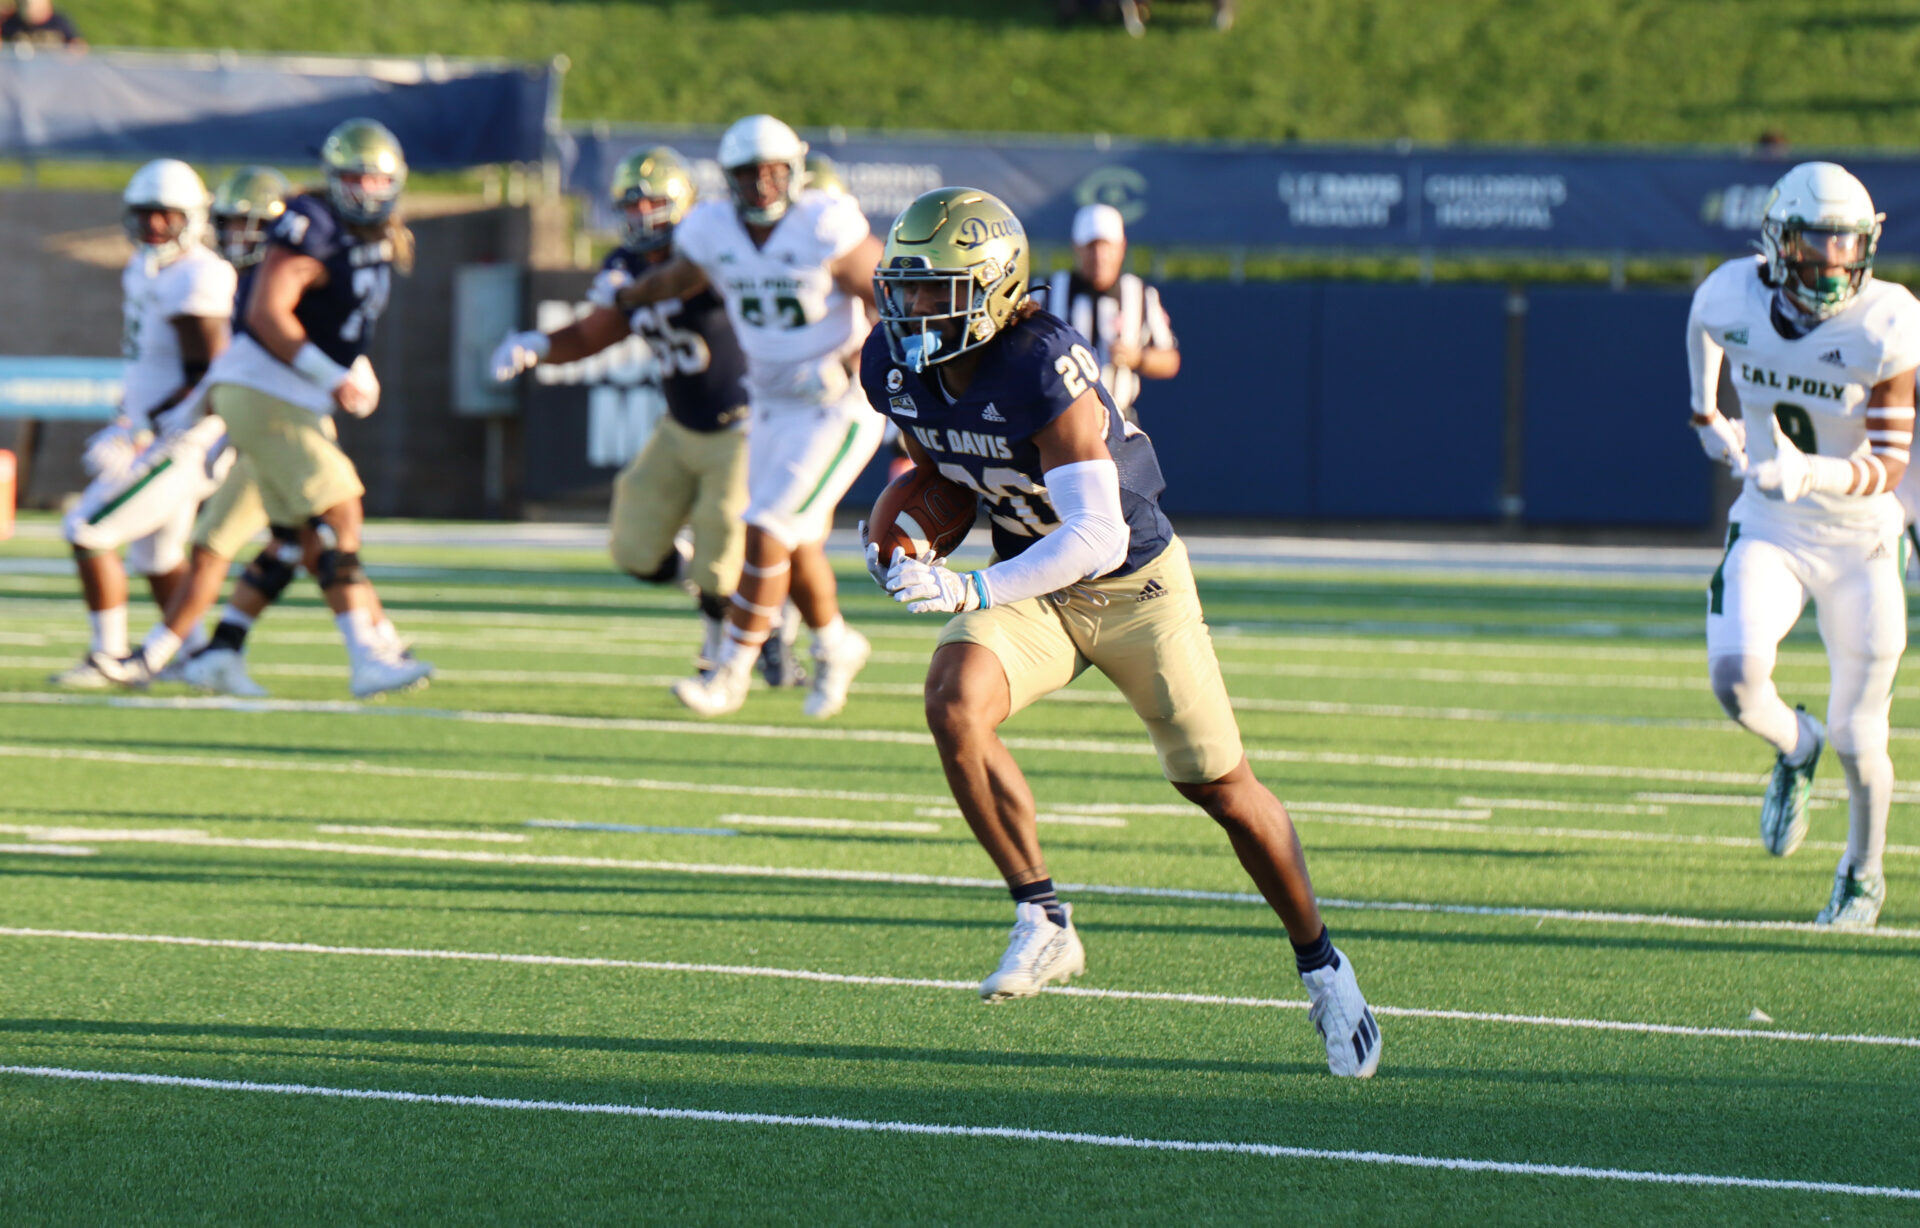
pixel 929 587
pixel 518 352
pixel 875 567
pixel 359 393
pixel 1787 476
pixel 606 286
pixel 1724 439
pixel 110 450
pixel 178 419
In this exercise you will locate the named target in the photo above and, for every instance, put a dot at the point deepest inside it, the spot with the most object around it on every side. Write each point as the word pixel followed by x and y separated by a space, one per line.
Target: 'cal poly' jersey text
pixel 983 439
pixel 1811 390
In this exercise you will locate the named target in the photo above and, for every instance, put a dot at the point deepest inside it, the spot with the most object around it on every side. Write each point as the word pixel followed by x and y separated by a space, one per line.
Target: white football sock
pixel 356 628
pixel 739 650
pixel 109 630
pixel 197 638
pixel 1869 797
pixel 827 636
pixel 159 647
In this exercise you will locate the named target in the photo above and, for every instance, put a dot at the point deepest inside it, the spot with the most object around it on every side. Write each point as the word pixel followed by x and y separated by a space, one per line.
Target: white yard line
pixel 48 850
pixel 821 874
pixel 938 1130
pixel 1530 803
pixel 840 978
pixel 418 833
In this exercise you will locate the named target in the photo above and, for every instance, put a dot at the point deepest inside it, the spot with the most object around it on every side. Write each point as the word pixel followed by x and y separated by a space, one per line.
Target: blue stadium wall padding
pixel 1234 431
pixel 1412 402
pixel 1606 404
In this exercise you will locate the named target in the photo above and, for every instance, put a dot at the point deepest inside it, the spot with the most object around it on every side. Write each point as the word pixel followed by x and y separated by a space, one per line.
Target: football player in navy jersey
pixel 1006 399
pixel 300 354
pixel 693 471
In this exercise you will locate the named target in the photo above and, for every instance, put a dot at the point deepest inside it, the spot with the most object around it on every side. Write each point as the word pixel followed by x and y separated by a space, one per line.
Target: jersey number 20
pixel 1078 370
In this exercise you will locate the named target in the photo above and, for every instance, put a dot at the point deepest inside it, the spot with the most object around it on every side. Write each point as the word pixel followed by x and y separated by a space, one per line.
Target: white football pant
pixel 801 458
pixel 149 506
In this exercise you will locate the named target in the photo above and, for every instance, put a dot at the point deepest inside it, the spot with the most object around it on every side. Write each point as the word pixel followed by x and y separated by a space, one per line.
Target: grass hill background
pixel 1519 71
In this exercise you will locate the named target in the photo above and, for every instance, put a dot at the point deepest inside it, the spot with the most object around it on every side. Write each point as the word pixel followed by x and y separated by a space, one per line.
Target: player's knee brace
pixel 666 573
pixel 273 568
pixel 333 568
pixel 713 606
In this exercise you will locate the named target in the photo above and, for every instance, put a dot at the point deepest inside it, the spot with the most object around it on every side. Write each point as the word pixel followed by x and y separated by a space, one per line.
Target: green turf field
pixel 1831 73
pixel 1534 831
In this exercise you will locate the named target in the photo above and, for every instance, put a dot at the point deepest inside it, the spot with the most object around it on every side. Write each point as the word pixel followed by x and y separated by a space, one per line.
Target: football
pixel 921 511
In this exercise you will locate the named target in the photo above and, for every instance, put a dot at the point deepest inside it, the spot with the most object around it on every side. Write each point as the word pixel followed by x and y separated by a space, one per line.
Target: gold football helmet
pixel 652 190
pixel 244 206
pixel 824 175
pixel 955 268
pixel 366 170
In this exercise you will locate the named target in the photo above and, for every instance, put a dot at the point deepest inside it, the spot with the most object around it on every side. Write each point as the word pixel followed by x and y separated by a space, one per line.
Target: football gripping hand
pixel 110 450
pixel 517 352
pixel 359 393
pixel 1724 439
pixel 929 587
pixel 875 567
pixel 606 288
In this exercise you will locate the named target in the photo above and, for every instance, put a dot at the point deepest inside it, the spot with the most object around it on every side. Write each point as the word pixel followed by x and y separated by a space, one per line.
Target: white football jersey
pixel 797 327
pixel 197 283
pixel 1811 390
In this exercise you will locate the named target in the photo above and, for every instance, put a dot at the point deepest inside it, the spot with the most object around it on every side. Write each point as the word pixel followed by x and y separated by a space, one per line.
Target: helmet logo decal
pixel 975 231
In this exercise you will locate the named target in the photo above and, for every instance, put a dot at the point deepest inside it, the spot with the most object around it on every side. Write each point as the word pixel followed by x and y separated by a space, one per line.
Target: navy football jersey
pixel 242 290
pixel 703 371
pixel 984 438
pixel 338 316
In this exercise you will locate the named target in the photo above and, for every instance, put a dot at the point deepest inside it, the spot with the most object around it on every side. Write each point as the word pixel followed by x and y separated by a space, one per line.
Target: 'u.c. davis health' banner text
pixel 1285 196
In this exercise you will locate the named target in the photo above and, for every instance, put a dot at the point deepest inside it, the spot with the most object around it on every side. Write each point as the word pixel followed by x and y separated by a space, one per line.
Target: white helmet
pixel 1819 218
pixel 174 186
pixel 756 141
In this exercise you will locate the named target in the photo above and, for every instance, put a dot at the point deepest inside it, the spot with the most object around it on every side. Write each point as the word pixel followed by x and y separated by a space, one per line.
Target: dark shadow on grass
pixel 666 1046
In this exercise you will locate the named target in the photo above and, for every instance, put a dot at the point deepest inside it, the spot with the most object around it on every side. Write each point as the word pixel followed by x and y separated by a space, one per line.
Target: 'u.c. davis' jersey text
pixel 1810 389
pixel 702 369
pixel 984 438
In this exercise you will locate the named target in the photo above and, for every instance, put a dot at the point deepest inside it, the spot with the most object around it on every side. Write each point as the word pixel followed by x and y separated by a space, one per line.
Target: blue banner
pixel 83 389
pixel 226 108
pixel 1687 203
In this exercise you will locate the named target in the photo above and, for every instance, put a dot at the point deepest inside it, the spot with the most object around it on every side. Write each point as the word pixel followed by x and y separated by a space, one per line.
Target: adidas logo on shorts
pixel 1833 357
pixel 1153 589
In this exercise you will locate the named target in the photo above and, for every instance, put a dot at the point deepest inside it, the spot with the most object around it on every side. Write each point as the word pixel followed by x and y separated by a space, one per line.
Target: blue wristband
pixel 979 579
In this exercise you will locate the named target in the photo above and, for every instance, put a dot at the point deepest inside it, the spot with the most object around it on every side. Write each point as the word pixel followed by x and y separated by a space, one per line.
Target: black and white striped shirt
pixel 1129 310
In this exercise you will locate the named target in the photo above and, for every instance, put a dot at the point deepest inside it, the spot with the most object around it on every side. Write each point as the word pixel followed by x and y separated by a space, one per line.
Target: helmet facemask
pixel 1819 267
pixel 934 315
pixel 177 231
pixel 646 222
pixel 762 191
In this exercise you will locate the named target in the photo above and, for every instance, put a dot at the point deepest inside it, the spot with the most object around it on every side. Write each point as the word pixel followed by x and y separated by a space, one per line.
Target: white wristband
pixel 321 371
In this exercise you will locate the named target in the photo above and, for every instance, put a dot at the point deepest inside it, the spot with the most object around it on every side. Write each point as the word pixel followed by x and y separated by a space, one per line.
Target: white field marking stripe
pixel 49 850
pixel 1067 991
pixel 419 833
pixel 1580 916
pixel 778 820
pixel 1530 803
pixel 1019 1134
pixel 1063 820
pixel 1086 746
pixel 129 835
pixel 1738 800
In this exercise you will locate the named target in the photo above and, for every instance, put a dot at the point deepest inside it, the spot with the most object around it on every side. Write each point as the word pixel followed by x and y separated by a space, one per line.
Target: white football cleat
pixel 833 674
pixel 1856 901
pixel 1343 1019
pixel 93 673
pixel 223 672
pixel 716 692
pixel 384 671
pixel 1038 954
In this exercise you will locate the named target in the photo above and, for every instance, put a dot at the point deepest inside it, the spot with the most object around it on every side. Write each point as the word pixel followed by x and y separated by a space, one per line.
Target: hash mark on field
pixel 419 833
pixel 1020 1134
pixel 904 982
pixel 49 850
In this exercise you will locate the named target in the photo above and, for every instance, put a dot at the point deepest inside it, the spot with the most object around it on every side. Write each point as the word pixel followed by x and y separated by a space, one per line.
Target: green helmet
pixel 653 175
pixel 824 175
pixel 360 147
pixel 244 205
pixel 956 266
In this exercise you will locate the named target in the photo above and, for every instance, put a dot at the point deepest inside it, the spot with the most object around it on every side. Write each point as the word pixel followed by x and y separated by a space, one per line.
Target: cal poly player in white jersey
pixel 795 267
pixel 1823 359
pixel 154 465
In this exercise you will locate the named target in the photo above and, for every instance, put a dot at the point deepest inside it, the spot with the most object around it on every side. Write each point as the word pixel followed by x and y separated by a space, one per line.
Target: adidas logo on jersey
pixel 1878 552
pixel 1153 589
pixel 990 414
pixel 1833 356
pixel 1736 336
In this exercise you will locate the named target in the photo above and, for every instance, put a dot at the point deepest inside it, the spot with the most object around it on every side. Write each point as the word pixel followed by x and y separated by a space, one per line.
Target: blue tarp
pixel 226 108
pixel 1301 196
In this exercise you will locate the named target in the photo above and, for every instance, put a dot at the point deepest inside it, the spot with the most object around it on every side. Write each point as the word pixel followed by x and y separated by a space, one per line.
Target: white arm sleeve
pixel 1091 539
pixel 1703 363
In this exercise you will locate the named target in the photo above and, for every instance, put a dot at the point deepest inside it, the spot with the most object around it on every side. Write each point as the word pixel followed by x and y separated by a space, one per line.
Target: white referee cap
pixel 1098 222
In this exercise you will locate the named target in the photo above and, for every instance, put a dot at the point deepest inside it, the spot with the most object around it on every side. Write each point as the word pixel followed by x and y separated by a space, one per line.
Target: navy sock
pixel 1316 955
pixel 1040 892
pixel 229 635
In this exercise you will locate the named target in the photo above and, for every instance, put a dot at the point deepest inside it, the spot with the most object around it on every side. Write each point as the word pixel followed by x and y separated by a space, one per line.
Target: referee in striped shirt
pixel 1117 311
